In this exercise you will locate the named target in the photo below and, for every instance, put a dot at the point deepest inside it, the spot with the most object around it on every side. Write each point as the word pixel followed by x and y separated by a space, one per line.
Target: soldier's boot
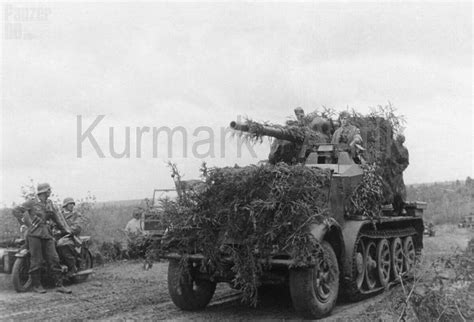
pixel 60 287
pixel 39 289
pixel 36 283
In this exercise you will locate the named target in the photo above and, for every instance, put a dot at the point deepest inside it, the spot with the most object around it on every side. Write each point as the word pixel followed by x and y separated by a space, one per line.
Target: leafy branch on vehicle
pixel 248 214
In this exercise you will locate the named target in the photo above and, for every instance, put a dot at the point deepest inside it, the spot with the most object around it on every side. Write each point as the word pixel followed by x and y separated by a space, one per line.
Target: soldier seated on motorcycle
pixel 34 214
pixel 67 244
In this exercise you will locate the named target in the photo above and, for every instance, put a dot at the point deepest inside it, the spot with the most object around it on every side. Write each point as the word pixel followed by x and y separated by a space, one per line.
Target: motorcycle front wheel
pixel 85 264
pixel 22 281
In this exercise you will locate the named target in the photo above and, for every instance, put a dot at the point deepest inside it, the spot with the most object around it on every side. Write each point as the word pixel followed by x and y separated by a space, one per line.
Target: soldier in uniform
pixel 135 225
pixel 305 119
pixel 300 116
pixel 399 162
pixel 66 244
pixel 346 133
pixel 133 229
pixel 347 136
pixel 34 214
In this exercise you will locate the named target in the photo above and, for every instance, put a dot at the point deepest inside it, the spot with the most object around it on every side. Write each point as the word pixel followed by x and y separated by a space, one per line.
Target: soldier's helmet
pixel 42 188
pixel 344 115
pixel 67 201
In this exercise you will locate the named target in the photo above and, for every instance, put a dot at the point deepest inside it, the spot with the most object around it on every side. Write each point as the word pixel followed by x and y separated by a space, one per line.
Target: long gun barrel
pixel 276 132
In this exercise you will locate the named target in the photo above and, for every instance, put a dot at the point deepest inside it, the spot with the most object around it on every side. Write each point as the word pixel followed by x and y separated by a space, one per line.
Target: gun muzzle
pixel 239 126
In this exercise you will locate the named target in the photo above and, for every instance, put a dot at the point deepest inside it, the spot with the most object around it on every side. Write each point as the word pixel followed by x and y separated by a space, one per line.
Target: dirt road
pixel 125 290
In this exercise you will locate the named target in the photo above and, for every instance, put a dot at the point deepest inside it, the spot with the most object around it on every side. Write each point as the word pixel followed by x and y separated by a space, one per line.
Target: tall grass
pixel 107 221
pixel 9 227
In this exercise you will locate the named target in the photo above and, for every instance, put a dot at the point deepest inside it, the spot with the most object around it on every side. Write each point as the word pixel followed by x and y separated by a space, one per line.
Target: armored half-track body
pixel 361 253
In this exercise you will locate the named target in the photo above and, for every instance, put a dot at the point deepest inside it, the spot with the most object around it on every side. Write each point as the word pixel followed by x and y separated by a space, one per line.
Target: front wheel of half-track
pixel 314 290
pixel 186 292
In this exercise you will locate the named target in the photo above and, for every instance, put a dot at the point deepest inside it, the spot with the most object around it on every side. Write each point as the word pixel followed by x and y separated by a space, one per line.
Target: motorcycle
pixel 22 281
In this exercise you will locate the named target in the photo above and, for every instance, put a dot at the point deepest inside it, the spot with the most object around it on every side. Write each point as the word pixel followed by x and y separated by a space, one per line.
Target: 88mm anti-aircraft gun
pixel 363 252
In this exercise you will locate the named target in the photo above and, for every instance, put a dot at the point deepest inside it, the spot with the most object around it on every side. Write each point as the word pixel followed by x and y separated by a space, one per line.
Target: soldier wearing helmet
pixel 72 217
pixel 66 244
pixel 347 135
pixel 399 155
pixel 399 162
pixel 35 213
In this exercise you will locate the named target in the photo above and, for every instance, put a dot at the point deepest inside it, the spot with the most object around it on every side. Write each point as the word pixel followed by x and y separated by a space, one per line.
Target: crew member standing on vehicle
pixel 346 133
pixel 347 136
pixel 34 214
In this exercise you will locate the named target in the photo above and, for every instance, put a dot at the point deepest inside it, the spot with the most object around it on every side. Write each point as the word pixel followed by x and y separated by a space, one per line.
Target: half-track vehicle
pixel 362 255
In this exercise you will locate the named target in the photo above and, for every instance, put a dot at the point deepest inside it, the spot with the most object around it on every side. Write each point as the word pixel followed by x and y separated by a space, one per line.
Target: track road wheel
pixel 186 292
pixel 314 290
pixel 397 258
pixel 410 255
pixel 22 281
pixel 384 262
pixel 360 265
pixel 370 259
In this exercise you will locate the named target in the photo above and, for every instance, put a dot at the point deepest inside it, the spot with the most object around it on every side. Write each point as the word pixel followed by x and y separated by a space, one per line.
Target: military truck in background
pixel 153 222
pixel 361 255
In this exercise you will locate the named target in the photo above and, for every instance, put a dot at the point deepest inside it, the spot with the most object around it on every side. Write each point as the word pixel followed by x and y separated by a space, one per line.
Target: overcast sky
pixel 196 65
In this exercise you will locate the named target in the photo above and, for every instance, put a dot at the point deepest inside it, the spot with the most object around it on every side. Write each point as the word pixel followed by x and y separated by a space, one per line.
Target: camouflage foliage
pixel 251 213
pixel 367 198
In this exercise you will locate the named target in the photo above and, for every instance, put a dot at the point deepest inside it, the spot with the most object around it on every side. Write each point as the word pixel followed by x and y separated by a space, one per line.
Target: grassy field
pixel 448 202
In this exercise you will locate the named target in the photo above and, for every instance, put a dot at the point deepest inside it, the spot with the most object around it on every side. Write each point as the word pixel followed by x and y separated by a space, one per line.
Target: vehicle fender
pixel 330 231
pixel 350 234
pixel 319 230
pixel 22 253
